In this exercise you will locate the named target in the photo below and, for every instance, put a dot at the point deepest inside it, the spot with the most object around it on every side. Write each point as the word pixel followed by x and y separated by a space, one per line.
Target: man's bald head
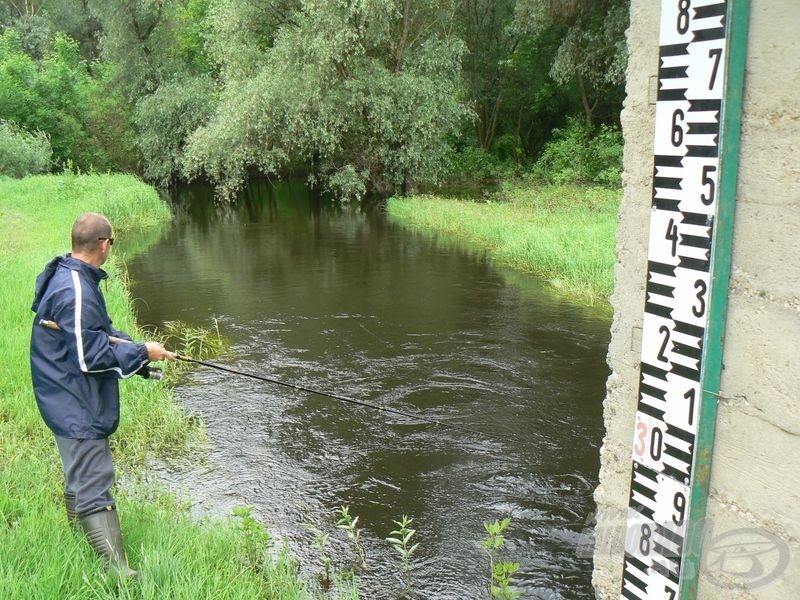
pixel 87 232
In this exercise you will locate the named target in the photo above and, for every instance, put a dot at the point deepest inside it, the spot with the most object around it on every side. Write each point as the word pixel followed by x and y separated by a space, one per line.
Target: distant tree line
pixel 359 95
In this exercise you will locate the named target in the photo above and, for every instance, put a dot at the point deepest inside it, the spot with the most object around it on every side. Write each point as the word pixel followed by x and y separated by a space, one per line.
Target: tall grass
pixel 40 556
pixel 562 233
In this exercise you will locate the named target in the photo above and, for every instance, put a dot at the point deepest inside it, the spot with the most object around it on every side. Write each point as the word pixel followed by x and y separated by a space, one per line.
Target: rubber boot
pixel 69 504
pixel 104 535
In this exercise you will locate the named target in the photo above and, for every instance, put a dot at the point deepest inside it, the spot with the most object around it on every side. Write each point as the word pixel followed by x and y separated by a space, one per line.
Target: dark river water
pixel 342 300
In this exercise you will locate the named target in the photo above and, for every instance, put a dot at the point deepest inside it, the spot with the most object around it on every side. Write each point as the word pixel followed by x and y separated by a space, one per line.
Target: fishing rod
pixel 155 373
pixel 334 396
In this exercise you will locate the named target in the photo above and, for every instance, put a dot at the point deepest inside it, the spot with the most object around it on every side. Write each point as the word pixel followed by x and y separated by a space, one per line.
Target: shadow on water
pixel 338 299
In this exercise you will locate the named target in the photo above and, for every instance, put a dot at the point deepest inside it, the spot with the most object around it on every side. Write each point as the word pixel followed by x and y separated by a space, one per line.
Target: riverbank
pixel 40 556
pixel 564 234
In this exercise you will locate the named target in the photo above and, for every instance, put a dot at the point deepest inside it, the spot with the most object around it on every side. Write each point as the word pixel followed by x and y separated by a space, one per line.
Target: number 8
pixel 683 16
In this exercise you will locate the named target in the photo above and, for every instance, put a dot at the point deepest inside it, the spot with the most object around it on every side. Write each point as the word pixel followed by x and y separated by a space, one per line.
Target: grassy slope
pixel 564 234
pixel 40 557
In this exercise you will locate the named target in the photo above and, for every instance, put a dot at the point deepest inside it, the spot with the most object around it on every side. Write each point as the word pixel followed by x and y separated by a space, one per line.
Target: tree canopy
pixel 359 95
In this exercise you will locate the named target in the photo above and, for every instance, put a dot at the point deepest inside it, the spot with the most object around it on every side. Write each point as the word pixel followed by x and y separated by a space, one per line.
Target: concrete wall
pixel 755 480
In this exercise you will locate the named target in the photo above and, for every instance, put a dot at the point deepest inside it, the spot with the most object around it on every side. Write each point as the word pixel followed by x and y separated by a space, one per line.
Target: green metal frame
pixel 738 20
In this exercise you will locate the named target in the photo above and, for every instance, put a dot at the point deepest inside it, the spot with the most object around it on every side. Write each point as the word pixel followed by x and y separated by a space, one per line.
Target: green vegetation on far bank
pixel 40 556
pixel 562 233
pixel 363 96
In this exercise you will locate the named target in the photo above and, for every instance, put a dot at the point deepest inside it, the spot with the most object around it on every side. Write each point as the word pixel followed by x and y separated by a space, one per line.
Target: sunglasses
pixel 110 240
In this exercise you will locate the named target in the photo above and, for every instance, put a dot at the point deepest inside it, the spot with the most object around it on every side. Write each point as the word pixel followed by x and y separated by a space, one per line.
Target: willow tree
pixel 365 92
pixel 592 52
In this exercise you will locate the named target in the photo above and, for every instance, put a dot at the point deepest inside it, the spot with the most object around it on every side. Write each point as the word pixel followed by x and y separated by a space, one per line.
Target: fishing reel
pixel 149 372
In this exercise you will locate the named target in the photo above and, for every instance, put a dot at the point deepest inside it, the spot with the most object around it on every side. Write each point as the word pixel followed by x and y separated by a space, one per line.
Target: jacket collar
pixel 95 274
pixel 74 264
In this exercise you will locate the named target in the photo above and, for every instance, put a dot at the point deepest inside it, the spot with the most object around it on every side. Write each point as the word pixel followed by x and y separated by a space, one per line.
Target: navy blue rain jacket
pixel 75 371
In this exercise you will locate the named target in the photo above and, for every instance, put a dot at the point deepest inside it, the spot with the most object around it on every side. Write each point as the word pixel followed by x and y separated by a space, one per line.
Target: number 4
pixel 672 235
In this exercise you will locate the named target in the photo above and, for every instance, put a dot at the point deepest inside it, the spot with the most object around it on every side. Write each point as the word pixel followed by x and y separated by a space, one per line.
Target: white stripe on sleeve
pixel 76 280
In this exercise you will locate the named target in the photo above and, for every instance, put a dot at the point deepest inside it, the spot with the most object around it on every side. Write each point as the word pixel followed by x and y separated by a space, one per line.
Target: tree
pixel 138 38
pixel 164 121
pixel 593 51
pixel 491 43
pixel 368 92
pixel 55 95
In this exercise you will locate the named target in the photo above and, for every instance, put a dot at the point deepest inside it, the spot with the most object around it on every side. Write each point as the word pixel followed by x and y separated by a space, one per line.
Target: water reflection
pixel 339 299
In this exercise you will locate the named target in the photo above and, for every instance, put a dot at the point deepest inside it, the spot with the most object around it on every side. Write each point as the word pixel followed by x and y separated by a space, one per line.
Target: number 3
pixel 641 434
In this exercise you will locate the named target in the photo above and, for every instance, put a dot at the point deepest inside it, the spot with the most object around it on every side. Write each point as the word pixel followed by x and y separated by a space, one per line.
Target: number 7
pixel 716 54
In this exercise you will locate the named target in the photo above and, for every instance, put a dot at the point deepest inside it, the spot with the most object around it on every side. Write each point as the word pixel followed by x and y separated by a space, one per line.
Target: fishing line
pixel 337 397
pixel 53 325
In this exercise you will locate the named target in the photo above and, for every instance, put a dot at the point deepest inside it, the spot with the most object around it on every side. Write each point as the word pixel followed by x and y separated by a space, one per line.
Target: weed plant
pixel 348 523
pixel 564 234
pixel 321 541
pixel 40 555
pixel 195 342
pixel 500 570
pixel 400 539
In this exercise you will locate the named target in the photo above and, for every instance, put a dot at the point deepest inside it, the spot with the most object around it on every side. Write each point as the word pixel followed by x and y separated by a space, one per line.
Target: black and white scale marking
pixel 692 49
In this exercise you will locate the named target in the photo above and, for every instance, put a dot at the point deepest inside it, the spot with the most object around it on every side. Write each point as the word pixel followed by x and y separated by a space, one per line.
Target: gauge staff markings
pixel 692 49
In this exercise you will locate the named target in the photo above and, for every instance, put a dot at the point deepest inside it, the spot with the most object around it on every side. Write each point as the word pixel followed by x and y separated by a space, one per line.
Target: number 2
pixel 664 330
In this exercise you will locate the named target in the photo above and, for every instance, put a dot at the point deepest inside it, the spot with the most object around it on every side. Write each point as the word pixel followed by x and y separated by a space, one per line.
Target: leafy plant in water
pixel 501 571
pixel 197 342
pixel 348 523
pixel 400 539
pixel 321 543
pixel 256 539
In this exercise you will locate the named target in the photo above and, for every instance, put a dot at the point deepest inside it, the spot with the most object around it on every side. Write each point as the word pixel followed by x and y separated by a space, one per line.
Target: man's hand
pixel 156 351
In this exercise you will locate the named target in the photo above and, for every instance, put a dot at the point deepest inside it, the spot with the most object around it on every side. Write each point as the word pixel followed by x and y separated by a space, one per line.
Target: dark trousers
pixel 88 473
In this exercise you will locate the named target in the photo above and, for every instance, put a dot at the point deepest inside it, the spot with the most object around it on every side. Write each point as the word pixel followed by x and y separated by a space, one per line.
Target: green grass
pixel 40 556
pixel 564 234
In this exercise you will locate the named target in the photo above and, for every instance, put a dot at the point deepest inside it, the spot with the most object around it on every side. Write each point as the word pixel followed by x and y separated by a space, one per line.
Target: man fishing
pixel 75 369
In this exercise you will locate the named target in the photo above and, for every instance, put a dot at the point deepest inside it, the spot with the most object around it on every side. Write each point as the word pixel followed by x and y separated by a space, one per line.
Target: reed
pixel 40 556
pixel 564 234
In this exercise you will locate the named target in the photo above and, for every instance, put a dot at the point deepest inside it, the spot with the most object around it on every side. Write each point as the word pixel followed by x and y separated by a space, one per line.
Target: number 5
pixel 707 169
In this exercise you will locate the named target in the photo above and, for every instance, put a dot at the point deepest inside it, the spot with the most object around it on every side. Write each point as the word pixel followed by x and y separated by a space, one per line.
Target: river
pixel 340 299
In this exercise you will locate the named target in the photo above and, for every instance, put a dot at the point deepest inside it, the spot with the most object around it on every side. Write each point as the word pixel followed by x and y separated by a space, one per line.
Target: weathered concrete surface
pixel 755 479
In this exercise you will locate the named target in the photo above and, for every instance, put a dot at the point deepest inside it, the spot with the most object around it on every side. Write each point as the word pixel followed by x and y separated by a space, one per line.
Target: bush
pixel 577 154
pixel 346 184
pixel 475 163
pixel 56 95
pixel 23 153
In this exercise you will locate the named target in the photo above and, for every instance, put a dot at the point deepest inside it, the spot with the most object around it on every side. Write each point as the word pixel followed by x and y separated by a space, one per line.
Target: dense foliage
pixel 23 153
pixel 359 95
pixel 579 154
pixel 57 95
pixel 358 91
